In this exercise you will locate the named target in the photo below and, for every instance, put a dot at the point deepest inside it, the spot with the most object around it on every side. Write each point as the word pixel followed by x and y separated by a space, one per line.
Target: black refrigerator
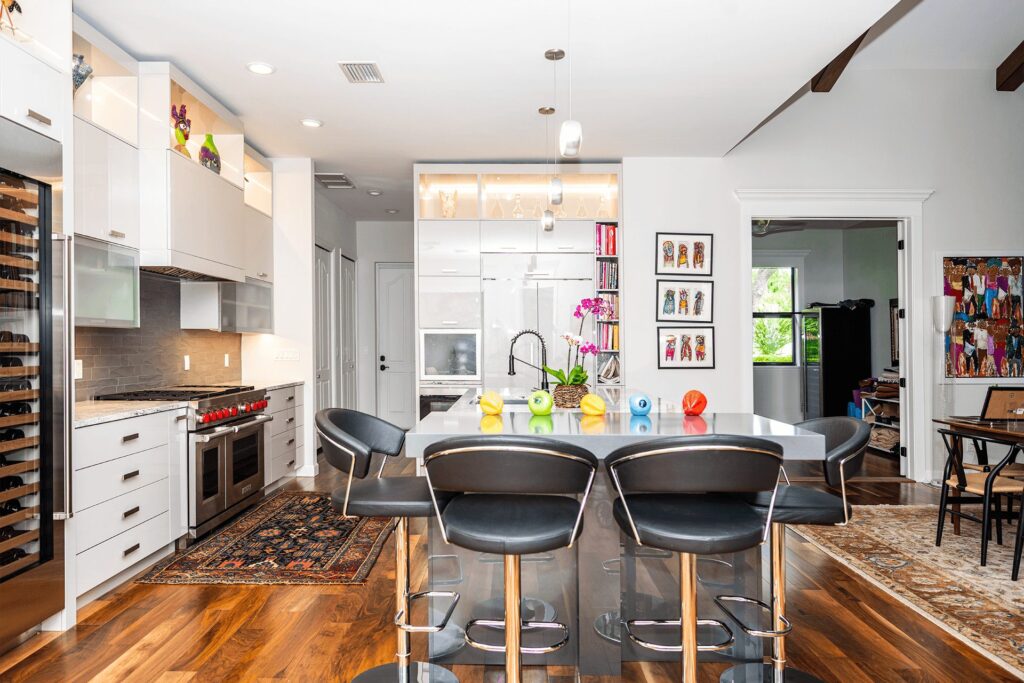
pixel 34 401
pixel 835 346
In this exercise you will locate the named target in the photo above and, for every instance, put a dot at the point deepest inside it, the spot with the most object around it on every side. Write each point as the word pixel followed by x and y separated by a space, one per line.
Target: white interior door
pixel 347 360
pixel 324 394
pixel 396 362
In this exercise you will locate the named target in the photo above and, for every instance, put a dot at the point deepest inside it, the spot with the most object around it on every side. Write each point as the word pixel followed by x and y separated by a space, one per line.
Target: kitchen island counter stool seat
pixel 513 495
pixel 686 494
pixel 350 439
pixel 846 439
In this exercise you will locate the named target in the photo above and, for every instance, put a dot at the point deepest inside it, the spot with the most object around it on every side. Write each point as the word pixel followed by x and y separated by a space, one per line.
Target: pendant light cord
pixel 568 47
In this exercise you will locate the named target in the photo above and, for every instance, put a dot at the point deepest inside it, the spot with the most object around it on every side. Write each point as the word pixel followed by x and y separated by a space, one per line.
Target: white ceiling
pixel 465 78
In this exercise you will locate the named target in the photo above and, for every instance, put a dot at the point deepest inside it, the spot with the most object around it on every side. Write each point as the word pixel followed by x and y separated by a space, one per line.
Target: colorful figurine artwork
pixel 80 72
pixel 684 253
pixel 685 301
pixel 985 337
pixel 681 348
pixel 182 128
pixel 209 156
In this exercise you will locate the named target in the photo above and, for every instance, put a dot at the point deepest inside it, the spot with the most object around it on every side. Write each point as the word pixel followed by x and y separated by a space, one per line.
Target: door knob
pixel 382 358
pixel 384 367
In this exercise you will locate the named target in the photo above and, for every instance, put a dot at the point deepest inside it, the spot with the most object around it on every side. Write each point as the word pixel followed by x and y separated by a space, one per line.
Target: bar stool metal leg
pixel 513 620
pixel 688 615
pixel 404 669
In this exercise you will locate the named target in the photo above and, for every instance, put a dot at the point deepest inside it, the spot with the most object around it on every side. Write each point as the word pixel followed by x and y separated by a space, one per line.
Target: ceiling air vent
pixel 361 72
pixel 335 181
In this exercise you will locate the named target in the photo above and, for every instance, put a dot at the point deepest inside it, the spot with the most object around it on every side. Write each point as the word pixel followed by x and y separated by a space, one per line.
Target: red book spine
pixel 611 240
pixel 597 243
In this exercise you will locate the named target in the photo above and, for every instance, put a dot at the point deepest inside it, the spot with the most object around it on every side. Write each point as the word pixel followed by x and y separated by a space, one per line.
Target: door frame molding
pixel 376 333
pixel 339 394
pixel 332 321
pixel 906 205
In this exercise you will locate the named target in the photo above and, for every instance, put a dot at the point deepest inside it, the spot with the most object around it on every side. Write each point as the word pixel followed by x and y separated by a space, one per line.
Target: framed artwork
pixel 984 339
pixel 685 301
pixel 683 253
pixel 685 348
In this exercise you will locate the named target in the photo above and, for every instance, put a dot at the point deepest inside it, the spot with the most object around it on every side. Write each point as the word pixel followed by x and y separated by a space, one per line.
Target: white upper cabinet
pixel 259 245
pixel 449 248
pixel 508 237
pixel 108 98
pixel 41 29
pixel 32 94
pixel 568 236
pixel 259 182
pixel 106 176
pixel 449 302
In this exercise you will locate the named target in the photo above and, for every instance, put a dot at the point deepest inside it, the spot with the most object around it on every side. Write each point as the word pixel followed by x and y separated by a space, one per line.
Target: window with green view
pixel 774 306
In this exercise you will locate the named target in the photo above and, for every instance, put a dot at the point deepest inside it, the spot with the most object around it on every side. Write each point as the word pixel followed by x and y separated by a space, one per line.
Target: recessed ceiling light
pixel 391 211
pixel 312 123
pixel 261 68
pixel 374 193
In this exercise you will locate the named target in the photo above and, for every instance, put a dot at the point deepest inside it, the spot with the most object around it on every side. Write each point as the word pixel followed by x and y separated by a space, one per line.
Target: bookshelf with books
pixel 607 276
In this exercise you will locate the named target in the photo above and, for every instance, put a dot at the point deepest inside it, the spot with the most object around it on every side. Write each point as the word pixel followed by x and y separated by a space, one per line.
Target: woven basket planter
pixel 570 395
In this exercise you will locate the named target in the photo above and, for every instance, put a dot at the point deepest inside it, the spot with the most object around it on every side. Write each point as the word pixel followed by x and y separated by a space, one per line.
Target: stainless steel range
pixel 226 447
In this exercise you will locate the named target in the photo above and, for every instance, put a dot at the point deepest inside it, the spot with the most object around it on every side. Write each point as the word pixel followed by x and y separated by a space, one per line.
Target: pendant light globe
pixel 570 139
pixel 547 220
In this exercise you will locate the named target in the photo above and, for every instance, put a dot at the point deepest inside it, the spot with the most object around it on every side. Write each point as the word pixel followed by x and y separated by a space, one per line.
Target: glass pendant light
pixel 555 191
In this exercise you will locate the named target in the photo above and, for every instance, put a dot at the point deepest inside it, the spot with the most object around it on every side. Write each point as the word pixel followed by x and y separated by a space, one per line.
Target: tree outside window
pixel 774 306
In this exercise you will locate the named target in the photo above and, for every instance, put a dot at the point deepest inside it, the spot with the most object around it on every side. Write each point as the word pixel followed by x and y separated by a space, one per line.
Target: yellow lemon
pixel 491 424
pixel 491 403
pixel 592 404
pixel 592 424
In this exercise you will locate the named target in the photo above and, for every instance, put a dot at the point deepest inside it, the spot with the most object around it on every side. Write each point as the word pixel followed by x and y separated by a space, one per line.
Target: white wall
pixel 944 130
pixel 289 355
pixel 335 229
pixel 870 271
pixel 377 242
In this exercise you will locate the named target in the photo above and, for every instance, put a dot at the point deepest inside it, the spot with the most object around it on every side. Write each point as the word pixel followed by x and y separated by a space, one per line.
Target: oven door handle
pixel 220 431
pixel 255 421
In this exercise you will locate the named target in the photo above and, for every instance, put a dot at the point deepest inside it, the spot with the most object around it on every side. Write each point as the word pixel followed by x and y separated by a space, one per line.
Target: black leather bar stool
pixel 684 494
pixel 846 440
pixel 350 439
pixel 514 496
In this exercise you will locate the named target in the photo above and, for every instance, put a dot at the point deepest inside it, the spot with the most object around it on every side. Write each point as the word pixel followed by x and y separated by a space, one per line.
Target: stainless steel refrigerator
pixel 35 408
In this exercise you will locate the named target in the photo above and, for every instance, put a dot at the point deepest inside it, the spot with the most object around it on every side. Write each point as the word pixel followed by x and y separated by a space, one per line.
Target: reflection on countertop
pixel 88 413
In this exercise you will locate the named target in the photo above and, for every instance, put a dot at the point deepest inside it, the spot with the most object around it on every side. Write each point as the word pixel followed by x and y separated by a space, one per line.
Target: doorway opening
pixel 827 306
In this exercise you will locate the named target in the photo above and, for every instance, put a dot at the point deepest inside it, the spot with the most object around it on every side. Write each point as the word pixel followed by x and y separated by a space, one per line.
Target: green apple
pixel 541 424
pixel 541 403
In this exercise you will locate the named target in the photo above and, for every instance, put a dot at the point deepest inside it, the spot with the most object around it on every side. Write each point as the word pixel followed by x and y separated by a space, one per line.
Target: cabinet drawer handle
pixel 290 398
pixel 129 551
pixel 508 248
pixel 128 513
pixel 290 463
pixel 181 418
pixel 261 274
pixel 449 322
pixel 36 116
pixel 118 234
pixel 289 420
pixel 566 247
pixel 449 270
pixel 129 437
pixel 289 442
pixel 129 475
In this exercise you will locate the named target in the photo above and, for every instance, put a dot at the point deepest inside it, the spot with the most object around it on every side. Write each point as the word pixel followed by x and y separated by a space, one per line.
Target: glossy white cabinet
pixel 106 284
pixel 228 306
pixel 259 245
pixel 284 433
pixel 206 214
pixel 32 94
pixel 506 237
pixel 509 307
pixel 106 186
pixel 449 248
pixel 568 237
pixel 538 266
pixel 452 302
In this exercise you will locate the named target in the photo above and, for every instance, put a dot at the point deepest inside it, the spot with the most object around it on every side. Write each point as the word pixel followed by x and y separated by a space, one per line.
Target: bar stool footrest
pixel 499 624
pixel 430 628
pixel 713 647
pixel 754 632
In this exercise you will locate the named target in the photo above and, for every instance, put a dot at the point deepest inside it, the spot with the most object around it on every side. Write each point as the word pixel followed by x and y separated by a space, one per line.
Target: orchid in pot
pixel 571 383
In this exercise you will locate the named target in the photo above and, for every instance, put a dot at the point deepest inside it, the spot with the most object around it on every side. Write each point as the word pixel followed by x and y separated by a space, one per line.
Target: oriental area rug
pixel 293 538
pixel 893 547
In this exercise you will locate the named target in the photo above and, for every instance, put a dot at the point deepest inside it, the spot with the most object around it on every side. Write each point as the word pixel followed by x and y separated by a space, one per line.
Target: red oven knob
pixel 245 407
pixel 234 411
pixel 205 418
pixel 222 413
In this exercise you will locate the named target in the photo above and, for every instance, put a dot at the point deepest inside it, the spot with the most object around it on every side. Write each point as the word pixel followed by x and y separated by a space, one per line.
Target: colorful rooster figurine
pixel 182 128
pixel 9 6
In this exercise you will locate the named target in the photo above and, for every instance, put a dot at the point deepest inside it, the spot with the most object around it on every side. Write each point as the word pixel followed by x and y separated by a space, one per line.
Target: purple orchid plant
pixel 579 348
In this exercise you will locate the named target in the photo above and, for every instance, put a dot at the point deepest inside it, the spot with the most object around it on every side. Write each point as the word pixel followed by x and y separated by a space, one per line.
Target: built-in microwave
pixel 450 355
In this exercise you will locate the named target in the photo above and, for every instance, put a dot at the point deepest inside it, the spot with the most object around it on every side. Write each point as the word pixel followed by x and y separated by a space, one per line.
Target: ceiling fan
pixel 764 227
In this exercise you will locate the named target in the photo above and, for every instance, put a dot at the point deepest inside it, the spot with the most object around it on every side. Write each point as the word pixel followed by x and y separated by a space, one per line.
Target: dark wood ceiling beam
pixel 1010 74
pixel 827 77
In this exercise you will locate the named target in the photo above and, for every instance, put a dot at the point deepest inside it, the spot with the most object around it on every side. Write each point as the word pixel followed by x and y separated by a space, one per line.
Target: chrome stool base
pixel 729 641
pixel 766 673
pixel 525 626
pixel 417 672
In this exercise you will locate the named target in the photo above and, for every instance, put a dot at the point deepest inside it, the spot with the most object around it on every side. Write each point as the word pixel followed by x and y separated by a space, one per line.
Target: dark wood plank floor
pixel 846 630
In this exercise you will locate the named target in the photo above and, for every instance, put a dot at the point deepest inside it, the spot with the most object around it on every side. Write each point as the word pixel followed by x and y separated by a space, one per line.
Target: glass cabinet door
pixel 106 284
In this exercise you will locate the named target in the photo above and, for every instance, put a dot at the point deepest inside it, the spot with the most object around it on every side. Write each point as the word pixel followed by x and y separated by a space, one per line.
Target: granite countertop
pixel 89 413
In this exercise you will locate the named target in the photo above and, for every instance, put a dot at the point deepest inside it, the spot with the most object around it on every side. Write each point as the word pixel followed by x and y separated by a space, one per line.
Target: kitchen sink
pixel 509 401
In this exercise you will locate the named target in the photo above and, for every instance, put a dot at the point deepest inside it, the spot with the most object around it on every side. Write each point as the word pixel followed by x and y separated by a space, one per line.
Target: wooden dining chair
pixel 976 486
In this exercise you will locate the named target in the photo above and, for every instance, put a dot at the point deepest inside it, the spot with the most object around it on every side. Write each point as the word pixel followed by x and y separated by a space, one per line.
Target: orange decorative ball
pixel 694 402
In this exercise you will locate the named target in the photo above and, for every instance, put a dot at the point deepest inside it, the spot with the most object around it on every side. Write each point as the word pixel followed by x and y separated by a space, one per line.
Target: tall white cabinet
pixel 485 266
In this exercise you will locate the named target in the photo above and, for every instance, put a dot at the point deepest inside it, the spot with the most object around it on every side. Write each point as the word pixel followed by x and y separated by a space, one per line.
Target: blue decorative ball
pixel 640 424
pixel 640 404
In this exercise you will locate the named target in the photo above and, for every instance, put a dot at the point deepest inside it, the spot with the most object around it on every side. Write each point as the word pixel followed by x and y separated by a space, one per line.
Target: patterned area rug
pixel 894 547
pixel 293 538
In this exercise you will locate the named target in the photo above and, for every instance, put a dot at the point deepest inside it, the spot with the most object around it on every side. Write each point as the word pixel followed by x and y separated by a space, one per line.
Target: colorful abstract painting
pixel 985 338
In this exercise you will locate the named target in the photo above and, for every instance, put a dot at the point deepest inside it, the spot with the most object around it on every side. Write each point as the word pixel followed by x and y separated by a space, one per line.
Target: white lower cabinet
pixel 126 484
pixel 285 437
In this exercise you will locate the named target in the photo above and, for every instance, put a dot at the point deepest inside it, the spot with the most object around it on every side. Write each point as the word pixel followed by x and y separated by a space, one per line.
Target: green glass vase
pixel 208 154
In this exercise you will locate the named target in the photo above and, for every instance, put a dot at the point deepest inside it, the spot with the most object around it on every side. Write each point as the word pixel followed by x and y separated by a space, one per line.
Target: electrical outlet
pixel 79 373
pixel 188 362
pixel 287 355
pixel 227 360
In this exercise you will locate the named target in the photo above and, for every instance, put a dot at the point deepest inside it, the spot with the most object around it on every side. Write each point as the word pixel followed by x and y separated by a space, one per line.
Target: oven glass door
pixel 450 354
pixel 245 463
pixel 208 491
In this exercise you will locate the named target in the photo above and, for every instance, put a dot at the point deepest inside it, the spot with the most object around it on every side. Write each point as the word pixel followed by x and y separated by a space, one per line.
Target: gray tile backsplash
pixel 153 354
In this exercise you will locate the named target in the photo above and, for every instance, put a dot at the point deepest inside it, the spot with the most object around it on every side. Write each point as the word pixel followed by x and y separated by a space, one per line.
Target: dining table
pixel 605 577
